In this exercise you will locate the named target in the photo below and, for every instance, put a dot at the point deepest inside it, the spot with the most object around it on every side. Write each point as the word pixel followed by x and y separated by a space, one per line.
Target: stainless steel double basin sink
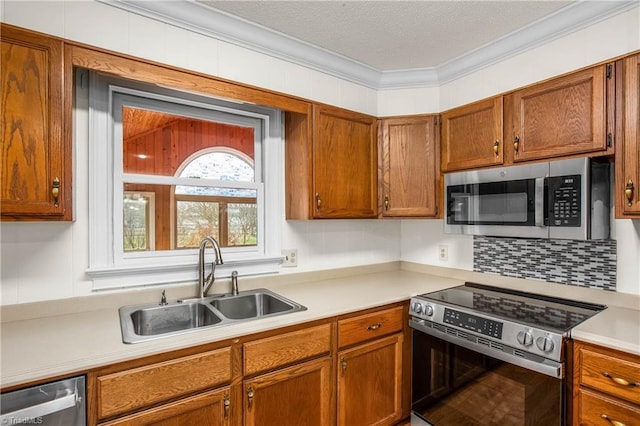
pixel 146 322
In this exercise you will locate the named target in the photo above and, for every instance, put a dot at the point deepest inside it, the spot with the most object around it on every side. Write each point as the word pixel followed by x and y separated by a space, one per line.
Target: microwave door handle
pixel 539 202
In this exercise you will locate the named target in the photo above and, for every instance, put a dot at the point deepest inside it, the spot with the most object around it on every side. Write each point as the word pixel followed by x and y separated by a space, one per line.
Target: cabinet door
pixel 410 166
pixel 294 396
pixel 628 156
pixel 472 135
pixel 36 160
pixel 207 409
pixel 344 164
pixel 563 116
pixel 370 383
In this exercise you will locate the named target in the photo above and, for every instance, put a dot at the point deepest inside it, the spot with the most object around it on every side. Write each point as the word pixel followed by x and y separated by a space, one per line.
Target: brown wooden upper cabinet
pixel 472 135
pixel 331 164
pixel 36 154
pixel 627 192
pixel 410 166
pixel 563 116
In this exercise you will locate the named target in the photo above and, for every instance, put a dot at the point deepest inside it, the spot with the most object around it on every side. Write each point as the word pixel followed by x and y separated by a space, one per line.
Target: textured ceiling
pixel 393 35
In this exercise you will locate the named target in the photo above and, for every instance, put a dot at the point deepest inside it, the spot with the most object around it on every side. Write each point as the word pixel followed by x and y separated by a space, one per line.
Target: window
pixel 227 214
pixel 168 168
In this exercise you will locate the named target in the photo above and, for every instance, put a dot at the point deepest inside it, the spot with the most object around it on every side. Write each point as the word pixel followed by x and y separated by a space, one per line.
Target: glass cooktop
pixel 526 308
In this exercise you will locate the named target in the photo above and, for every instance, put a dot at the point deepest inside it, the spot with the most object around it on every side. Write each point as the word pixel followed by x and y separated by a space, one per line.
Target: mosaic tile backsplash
pixel 580 263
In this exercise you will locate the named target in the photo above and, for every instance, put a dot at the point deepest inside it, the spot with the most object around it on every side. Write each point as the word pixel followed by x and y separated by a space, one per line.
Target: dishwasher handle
pixel 41 410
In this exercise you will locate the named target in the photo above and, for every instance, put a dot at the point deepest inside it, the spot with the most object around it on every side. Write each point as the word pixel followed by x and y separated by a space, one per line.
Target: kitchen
pixel 53 258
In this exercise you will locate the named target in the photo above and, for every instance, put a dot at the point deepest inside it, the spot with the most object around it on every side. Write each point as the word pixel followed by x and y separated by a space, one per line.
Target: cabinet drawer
pixel 599 410
pixel 369 326
pixel 615 376
pixel 272 352
pixel 139 387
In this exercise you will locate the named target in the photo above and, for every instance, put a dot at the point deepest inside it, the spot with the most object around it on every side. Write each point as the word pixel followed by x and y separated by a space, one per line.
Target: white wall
pixel 46 261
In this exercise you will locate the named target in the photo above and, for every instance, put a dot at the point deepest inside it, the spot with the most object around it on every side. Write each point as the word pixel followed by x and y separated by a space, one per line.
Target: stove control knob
pixel 417 307
pixel 428 310
pixel 545 344
pixel 525 338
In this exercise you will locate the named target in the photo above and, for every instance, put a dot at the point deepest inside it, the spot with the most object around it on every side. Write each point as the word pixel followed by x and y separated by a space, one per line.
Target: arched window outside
pixel 227 214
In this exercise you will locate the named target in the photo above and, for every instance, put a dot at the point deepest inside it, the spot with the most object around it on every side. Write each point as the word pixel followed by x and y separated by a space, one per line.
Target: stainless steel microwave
pixel 568 199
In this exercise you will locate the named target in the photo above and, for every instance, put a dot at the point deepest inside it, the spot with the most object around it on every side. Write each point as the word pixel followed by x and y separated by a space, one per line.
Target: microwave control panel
pixel 564 200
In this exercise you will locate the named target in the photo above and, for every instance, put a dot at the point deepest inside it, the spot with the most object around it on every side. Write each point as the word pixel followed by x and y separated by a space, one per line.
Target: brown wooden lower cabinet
pixel 370 383
pixel 606 386
pixel 345 370
pixel 207 409
pixel 294 396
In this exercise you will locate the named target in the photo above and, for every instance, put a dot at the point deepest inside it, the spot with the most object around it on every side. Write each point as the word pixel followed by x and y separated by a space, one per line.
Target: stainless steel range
pixel 484 355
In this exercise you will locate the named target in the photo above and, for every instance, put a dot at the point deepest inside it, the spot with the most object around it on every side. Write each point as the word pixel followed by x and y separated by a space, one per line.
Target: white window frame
pixel 109 266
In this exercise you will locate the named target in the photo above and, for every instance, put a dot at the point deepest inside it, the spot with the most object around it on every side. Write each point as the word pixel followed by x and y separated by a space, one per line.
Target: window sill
pixel 111 278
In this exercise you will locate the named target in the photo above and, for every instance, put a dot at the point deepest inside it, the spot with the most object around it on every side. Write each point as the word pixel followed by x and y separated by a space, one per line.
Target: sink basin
pixel 145 322
pixel 158 320
pixel 167 319
pixel 252 305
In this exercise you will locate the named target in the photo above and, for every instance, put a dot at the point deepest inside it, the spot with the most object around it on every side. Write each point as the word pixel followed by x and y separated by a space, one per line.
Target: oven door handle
pixel 539 202
pixel 544 366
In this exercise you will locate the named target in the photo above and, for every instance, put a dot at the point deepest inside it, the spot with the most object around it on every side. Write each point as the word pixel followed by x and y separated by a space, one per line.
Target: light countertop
pixel 42 340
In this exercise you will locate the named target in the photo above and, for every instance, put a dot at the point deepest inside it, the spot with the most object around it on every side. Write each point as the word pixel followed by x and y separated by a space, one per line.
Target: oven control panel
pixel 475 323
pixel 515 335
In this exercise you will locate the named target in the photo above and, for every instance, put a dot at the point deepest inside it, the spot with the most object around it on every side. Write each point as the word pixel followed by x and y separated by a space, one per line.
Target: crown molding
pixel 200 18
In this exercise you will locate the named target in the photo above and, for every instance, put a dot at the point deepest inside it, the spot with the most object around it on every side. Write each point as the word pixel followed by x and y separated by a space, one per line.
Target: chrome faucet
pixel 234 283
pixel 204 284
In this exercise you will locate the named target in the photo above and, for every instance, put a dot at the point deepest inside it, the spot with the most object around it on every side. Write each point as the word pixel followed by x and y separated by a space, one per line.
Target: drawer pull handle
pixel 318 201
pixel 343 364
pixel 386 202
pixel 610 420
pixel 620 380
pixel 374 326
pixel 496 148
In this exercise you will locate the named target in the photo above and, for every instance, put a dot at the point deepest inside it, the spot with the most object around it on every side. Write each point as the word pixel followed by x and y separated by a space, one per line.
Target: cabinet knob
pixel 628 192
pixel 55 191
pixel 318 200
pixel 227 404
pixel 386 202
pixel 343 364
pixel 250 396
pixel 496 148
pixel 516 144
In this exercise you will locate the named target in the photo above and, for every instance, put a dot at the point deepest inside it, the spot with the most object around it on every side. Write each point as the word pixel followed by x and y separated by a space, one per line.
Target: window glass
pixel 188 150
pixel 138 220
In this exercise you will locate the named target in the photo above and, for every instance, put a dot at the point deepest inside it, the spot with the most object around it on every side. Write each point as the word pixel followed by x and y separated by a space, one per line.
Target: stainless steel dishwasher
pixel 58 403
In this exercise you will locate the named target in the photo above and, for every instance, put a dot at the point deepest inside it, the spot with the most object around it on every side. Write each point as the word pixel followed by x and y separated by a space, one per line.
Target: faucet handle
pixel 163 300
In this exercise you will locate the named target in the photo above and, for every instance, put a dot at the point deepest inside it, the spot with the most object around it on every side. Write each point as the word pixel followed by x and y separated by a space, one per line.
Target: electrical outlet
pixel 443 252
pixel 290 257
